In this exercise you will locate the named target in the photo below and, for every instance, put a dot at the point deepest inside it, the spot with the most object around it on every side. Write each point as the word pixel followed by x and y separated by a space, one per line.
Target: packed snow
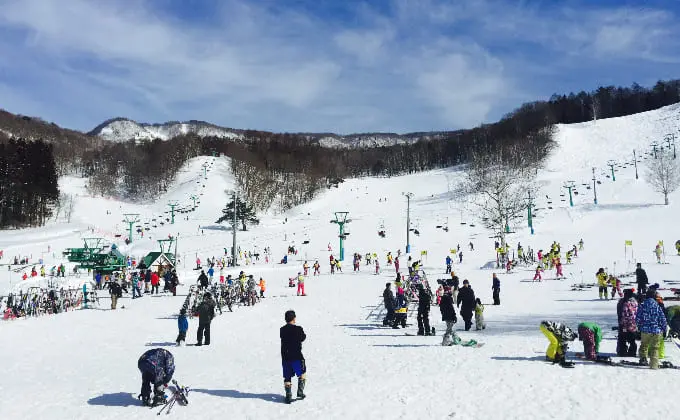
pixel 83 363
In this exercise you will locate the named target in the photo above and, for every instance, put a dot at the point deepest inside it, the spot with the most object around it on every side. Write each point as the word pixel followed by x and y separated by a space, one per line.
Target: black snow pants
pixel 203 330
pixel 423 321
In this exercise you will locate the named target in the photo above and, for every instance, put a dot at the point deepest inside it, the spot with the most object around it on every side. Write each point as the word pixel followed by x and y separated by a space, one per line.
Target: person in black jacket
pixel 116 291
pixel 292 360
pixel 466 303
pixel 424 301
pixel 496 288
pixel 388 301
pixel 206 312
pixel 448 316
pixel 203 281
pixel 641 279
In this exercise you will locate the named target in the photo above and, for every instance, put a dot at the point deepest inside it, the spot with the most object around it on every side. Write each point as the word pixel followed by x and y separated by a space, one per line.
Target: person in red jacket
pixel 155 282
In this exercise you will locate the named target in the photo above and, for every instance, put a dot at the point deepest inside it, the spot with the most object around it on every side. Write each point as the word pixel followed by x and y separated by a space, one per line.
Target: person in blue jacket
pixel 211 272
pixel 98 280
pixel 651 322
pixel 183 326
pixel 448 264
pixel 157 367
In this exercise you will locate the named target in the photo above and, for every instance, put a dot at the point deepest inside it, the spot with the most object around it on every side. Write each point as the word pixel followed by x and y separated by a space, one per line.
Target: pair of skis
pixel 179 394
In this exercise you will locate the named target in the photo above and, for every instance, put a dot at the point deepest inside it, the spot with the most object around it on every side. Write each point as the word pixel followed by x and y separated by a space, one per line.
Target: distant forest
pixel 285 170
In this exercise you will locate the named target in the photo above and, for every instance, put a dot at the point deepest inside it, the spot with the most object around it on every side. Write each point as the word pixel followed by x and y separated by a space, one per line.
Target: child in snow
pixel 301 285
pixel 377 267
pixel 559 336
pixel 537 276
pixel 616 286
pixel 558 268
pixel 591 335
pixel 317 268
pixel 291 282
pixel 263 287
pixel 479 315
pixel 658 251
pixel 183 326
pixel 439 293
pixel 602 282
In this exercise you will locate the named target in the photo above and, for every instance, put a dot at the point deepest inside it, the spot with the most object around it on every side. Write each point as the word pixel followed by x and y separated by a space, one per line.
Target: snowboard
pixel 472 343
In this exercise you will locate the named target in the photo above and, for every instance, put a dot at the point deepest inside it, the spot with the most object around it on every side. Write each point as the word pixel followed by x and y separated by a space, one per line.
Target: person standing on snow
pixel 388 301
pixel 448 264
pixel 479 315
pixel 206 313
pixel 182 326
pixel 641 279
pixel 496 288
pixel 424 302
pixel 317 268
pixel 460 257
pixel 466 303
pixel 300 284
pixel 626 309
pixel 292 360
pixel 602 283
pixel 449 316
pixel 116 291
pixel 396 264
pixel 651 322
pixel 203 281
pixel 591 335
pixel 157 367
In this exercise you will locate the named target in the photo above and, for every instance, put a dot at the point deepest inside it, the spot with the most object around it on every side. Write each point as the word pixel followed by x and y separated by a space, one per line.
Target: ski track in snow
pixel 83 364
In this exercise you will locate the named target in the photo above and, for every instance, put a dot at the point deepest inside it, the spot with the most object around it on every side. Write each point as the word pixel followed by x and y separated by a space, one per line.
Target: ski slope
pixel 83 364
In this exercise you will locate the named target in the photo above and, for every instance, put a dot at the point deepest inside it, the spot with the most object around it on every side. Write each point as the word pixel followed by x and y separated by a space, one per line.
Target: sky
pixel 342 66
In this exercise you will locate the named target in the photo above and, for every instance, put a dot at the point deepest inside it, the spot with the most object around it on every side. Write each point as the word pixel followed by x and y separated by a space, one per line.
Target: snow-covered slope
pixel 357 369
pixel 121 129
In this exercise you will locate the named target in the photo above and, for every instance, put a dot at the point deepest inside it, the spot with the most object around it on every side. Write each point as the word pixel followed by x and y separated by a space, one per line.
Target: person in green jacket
pixel 591 335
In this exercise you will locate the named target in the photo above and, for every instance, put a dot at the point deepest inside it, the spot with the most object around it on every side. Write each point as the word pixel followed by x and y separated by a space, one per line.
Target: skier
pixel 558 335
pixel 651 322
pixel 472 246
pixel 496 288
pixel 466 303
pixel 424 302
pixel 580 245
pixel 641 279
pixel 300 284
pixel 292 360
pixel 116 292
pixel 460 257
pixel 626 309
pixel 479 315
pixel 591 335
pixel 449 316
pixel 388 301
pixel 157 367
pixel 558 268
pixel 182 326
pixel 263 286
pixel 602 283
pixel 317 268
pixel 206 313
pixel 448 264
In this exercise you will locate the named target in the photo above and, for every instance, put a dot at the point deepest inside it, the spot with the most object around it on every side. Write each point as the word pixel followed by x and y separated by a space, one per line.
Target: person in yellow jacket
pixel 262 285
pixel 602 281
pixel 301 285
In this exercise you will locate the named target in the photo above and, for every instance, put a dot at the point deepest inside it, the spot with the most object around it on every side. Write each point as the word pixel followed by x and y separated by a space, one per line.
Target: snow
pixel 122 130
pixel 82 364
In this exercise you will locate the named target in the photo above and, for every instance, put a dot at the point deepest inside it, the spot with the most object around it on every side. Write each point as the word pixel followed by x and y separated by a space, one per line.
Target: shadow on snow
pixel 118 399
pixel 232 393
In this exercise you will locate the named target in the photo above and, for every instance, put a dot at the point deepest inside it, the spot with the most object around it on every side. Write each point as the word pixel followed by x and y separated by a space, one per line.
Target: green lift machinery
pixel 95 256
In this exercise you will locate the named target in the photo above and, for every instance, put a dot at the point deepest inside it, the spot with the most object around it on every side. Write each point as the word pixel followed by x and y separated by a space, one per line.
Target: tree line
pixel 29 187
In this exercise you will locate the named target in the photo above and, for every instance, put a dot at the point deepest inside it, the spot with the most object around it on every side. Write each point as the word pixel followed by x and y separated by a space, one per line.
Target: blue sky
pixel 322 65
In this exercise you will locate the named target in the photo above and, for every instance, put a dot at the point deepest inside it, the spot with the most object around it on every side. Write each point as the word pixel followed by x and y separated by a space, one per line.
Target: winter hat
pixel 388 284
pixel 182 311
pixel 651 293
pixel 627 293
pixel 466 281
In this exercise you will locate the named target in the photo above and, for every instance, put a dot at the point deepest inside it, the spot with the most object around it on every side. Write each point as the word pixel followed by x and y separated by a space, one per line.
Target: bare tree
pixel 498 185
pixel 663 174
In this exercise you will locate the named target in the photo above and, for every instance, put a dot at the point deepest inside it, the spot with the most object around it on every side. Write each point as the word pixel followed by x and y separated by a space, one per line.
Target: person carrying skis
pixel 651 322
pixel 424 302
pixel 449 316
pixel 182 326
pixel 496 288
pixel 602 278
pixel 591 335
pixel 448 264
pixel 626 309
pixel 300 284
pixel 641 279
pixel 479 315
pixel 206 313
pixel 466 303
pixel 157 367
pixel 292 360
pixel 388 301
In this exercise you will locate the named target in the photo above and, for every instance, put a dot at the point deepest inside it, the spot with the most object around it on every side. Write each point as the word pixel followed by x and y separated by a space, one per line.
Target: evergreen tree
pixel 244 214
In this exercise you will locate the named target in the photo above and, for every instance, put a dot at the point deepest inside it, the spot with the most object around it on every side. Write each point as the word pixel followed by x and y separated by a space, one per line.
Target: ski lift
pixel 575 192
pixel 471 225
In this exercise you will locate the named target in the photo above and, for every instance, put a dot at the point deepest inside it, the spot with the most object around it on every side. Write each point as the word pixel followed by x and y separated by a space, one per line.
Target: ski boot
pixel 159 399
pixel 301 389
pixel 289 393
pixel 643 361
pixel 146 400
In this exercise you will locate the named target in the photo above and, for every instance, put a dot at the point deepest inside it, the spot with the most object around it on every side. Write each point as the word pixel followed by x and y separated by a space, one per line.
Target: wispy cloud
pixel 430 64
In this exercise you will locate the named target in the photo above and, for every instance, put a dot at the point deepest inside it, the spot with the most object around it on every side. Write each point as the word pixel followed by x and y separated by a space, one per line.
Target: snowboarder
pixel 626 309
pixel 591 335
pixel 559 336
pixel 157 367
pixel 388 301
pixel 449 316
pixel 292 360
pixel 466 303
pixel 206 313
pixel 496 288
pixel 651 321
pixel 479 315
pixel 424 302
pixel 182 326
pixel 641 279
